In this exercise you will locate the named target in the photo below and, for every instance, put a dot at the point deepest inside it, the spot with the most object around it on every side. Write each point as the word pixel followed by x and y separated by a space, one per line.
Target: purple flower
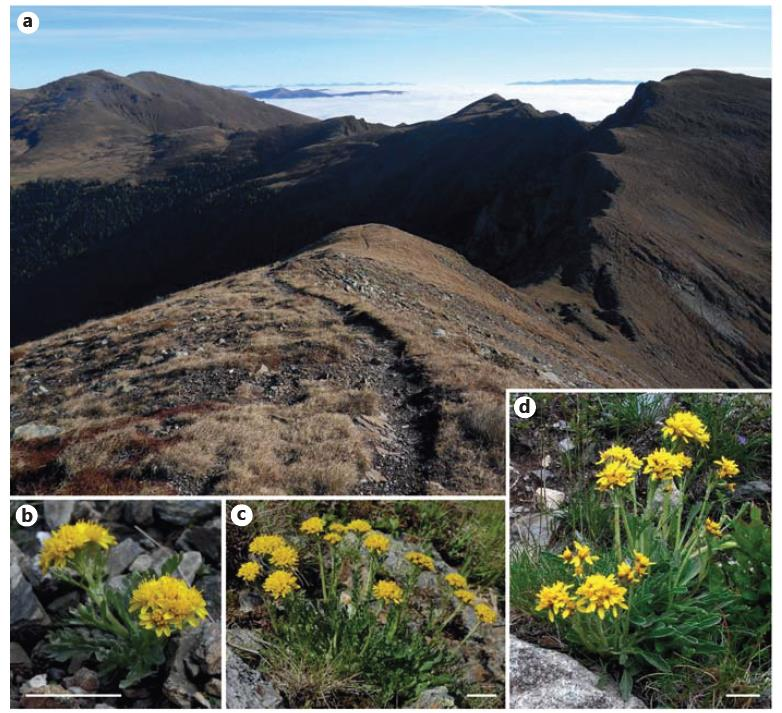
pixel 742 440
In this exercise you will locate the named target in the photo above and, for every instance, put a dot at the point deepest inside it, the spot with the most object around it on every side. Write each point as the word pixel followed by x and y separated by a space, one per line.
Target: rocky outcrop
pixel 542 678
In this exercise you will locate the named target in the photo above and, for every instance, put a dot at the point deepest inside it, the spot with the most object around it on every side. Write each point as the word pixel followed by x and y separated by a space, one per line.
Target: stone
pixel 249 601
pixel 25 607
pixel 659 497
pixel 532 530
pixel 189 565
pixel 439 332
pixel 543 678
pixel 30 431
pixel 152 561
pixel 19 657
pixel 84 678
pixel 246 687
pixel 57 512
pixel 63 604
pixel 139 512
pixel 38 681
pixel 435 699
pixel 566 444
pixel 185 512
pixel 549 499
pixel 208 653
pixel 178 688
pixel 122 556
pixel 203 539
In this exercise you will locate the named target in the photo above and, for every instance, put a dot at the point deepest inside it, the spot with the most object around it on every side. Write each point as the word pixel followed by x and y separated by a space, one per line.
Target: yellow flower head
pixel 167 604
pixel 280 584
pixel 615 474
pixel 566 556
pixel 641 563
pixel 420 560
pixel 661 464
pixel 556 600
pixel 338 527
pixel 485 613
pixel 620 454
pixel 265 544
pixel 388 591
pixel 713 528
pixel 456 580
pixel 727 468
pixel 359 526
pixel 312 526
pixel 285 557
pixel 464 595
pixel 377 543
pixel 67 540
pixel 332 538
pixel 625 572
pixel 600 593
pixel 249 571
pixel 686 426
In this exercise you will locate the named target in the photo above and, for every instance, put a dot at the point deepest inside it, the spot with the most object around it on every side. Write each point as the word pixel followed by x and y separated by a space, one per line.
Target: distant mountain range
pixel 641 244
pixel 283 93
pixel 559 82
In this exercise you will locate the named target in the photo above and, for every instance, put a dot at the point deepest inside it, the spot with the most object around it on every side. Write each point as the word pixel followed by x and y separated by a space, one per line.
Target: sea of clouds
pixel 424 103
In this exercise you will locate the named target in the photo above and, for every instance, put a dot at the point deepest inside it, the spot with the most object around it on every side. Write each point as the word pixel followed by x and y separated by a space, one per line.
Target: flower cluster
pixel 662 464
pixel 167 604
pixel 636 570
pixel 582 555
pixel 66 541
pixel 727 469
pixel 620 465
pixel 686 426
pixel 275 554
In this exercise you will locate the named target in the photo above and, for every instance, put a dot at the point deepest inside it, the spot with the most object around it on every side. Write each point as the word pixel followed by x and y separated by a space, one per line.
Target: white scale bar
pixel 742 695
pixel 73 695
pixel 481 695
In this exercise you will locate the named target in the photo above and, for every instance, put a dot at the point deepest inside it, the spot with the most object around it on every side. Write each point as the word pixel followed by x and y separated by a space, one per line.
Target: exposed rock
pixel 58 512
pixel 123 555
pixel 203 539
pixel 152 561
pixel 30 431
pixel 435 699
pixel 25 607
pixel 532 530
pixel 207 655
pixel 19 657
pixel 185 512
pixel 247 688
pixel 140 512
pixel 189 566
pixel 542 678
pixel 549 499
pixel 86 679
pixel 566 444
pixel 178 687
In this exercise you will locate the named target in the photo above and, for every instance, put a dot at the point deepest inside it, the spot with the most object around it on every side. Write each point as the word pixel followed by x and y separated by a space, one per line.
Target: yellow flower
pixel 376 542
pixel 249 571
pixel 332 538
pixel 686 426
pixel 280 584
pixel 731 487
pixel 167 604
pixel 312 526
pixel 626 572
pixel 620 454
pixel 641 563
pixel 614 474
pixel 420 560
pixel 661 464
pixel 727 468
pixel 456 580
pixel 556 599
pixel 600 593
pixel 338 527
pixel 713 528
pixel 388 591
pixel 67 540
pixel 265 544
pixel 485 613
pixel 359 526
pixel 464 595
pixel 285 557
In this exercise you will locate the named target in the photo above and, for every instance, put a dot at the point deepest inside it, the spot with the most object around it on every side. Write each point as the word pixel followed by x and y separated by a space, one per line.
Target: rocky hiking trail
pixel 405 427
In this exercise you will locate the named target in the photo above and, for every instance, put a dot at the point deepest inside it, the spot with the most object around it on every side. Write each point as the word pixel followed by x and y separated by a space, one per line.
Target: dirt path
pixel 404 430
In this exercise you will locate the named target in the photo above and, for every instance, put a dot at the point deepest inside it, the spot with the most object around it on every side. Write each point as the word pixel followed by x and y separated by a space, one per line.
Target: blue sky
pixel 319 45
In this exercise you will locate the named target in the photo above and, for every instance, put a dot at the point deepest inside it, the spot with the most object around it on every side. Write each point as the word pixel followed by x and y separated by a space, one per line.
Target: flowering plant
pixel 124 629
pixel 657 595
pixel 339 596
